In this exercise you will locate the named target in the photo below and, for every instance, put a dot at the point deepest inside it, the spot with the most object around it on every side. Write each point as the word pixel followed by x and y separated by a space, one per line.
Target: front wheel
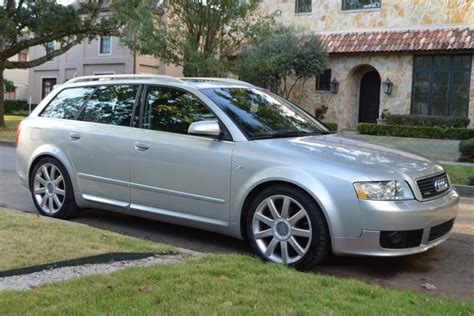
pixel 285 225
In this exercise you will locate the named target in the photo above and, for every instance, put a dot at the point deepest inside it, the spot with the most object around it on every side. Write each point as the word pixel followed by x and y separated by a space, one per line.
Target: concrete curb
pixel 465 190
pixel 5 143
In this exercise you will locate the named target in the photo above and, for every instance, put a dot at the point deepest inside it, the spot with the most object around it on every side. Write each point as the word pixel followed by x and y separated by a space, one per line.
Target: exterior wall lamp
pixel 387 86
pixel 334 86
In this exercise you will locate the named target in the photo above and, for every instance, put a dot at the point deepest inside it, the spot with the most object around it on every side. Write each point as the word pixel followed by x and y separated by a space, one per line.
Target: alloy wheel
pixel 49 188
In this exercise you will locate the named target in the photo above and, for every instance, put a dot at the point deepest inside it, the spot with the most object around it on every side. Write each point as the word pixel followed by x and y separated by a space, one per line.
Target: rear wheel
pixel 285 225
pixel 51 189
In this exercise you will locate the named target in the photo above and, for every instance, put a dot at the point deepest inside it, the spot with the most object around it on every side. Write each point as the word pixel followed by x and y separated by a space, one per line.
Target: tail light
pixel 18 132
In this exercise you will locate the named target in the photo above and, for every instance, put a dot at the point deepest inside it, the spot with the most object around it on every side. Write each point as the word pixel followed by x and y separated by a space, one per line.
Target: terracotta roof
pixel 397 41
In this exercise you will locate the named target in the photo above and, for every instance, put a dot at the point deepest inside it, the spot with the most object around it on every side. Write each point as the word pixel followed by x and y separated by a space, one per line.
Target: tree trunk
pixel 2 99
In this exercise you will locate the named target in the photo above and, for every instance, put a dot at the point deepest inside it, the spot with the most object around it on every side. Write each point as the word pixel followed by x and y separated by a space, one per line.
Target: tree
pixel 9 86
pixel 283 60
pixel 200 35
pixel 28 23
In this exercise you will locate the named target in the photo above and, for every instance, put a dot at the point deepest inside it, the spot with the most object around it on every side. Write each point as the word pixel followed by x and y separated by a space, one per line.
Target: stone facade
pixel 327 17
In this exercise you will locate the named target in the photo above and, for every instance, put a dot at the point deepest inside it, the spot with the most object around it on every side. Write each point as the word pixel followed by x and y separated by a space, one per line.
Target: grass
pixel 27 239
pixel 437 149
pixel 222 284
pixel 8 132
pixel 459 174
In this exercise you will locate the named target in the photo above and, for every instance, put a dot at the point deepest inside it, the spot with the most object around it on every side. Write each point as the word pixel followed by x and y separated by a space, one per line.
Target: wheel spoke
pixel 264 219
pixel 296 246
pixel 45 173
pixel 295 218
pixel 51 203
pixel 271 247
pixel 40 180
pixel 284 251
pixel 285 207
pixel 60 192
pixel 53 172
pixel 263 234
pixel 272 208
pixel 57 201
pixel 58 180
pixel 44 200
pixel 300 232
pixel 40 190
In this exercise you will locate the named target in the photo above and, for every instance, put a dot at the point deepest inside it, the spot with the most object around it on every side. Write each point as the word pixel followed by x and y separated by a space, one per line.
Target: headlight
pixel 383 190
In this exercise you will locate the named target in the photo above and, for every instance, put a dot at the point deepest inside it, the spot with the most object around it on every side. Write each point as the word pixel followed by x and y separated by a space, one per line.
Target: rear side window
pixel 172 110
pixel 67 103
pixel 111 105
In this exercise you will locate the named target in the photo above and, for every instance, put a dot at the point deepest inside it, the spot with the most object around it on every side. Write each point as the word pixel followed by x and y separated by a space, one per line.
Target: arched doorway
pixel 369 97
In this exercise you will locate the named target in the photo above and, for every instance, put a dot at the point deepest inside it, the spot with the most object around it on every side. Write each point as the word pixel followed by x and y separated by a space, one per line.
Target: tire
pixel 306 235
pixel 52 194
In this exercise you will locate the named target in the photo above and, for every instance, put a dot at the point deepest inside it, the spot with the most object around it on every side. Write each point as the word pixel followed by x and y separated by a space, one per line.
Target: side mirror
pixel 205 128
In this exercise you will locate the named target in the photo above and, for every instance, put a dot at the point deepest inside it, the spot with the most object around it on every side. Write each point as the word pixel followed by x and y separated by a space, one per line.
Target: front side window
pixel 173 110
pixel 323 81
pixel 441 85
pixel 302 6
pixel 105 45
pixel 360 4
pixel 263 115
pixel 111 105
pixel 67 103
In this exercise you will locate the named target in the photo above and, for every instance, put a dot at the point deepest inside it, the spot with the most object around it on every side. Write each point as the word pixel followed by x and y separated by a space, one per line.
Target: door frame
pixel 41 84
pixel 360 93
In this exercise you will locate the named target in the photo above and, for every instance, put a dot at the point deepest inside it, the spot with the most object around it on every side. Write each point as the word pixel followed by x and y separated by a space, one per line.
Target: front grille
pixel 401 239
pixel 440 230
pixel 428 188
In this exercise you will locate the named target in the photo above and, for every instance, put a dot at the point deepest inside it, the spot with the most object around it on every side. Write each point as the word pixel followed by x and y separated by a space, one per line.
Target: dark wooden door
pixel 47 86
pixel 369 101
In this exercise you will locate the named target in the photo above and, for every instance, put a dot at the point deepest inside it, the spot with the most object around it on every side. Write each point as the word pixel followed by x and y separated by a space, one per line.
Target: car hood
pixel 375 161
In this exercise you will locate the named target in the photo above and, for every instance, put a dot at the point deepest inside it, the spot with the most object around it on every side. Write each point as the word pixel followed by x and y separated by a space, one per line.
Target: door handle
pixel 74 136
pixel 141 147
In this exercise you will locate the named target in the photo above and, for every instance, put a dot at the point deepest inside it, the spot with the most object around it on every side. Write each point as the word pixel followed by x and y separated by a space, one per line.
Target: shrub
pixel 428 121
pixel 466 148
pixel 385 114
pixel 331 126
pixel 320 112
pixel 17 106
pixel 415 131
pixel 470 181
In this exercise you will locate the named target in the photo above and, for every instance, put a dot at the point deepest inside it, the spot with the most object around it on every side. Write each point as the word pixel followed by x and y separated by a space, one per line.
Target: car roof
pixel 195 82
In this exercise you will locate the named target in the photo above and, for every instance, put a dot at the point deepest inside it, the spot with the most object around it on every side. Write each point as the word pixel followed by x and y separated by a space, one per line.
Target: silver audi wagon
pixel 226 156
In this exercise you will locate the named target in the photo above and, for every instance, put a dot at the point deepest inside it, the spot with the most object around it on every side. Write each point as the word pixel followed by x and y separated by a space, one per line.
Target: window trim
pixel 432 70
pixel 360 9
pixel 303 12
pixel 226 131
pixel 100 46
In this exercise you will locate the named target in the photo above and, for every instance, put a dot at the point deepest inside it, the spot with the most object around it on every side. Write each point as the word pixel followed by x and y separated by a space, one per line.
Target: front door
pixel 174 174
pixel 47 85
pixel 369 97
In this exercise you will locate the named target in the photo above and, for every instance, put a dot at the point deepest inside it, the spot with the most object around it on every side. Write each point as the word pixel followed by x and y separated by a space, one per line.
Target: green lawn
pixel 27 239
pixel 459 174
pixel 437 149
pixel 8 132
pixel 222 284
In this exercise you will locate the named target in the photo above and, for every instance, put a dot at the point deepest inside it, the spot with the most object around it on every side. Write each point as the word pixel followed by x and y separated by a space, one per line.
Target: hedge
pixel 331 126
pixel 466 147
pixel 17 106
pixel 428 121
pixel 415 131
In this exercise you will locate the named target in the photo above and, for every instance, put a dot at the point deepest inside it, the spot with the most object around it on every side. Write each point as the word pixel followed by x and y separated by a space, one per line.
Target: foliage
pixel 466 148
pixel 415 131
pixel 283 60
pixel 16 106
pixel 200 35
pixel 428 120
pixel 9 85
pixel 320 112
pixel 385 114
pixel 470 181
pixel 331 126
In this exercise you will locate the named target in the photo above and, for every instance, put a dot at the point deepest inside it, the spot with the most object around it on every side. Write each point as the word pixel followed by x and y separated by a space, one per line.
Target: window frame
pixel 318 81
pixel 227 135
pixel 303 12
pixel 100 46
pixel 431 70
pixel 363 9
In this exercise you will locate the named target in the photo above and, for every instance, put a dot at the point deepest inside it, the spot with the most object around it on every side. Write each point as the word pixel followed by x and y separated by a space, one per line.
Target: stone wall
pixel 327 15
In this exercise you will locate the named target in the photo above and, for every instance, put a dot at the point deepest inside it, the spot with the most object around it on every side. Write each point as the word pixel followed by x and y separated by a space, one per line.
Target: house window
pixel 360 4
pixel 302 6
pixel 105 45
pixel 23 56
pixel 50 47
pixel 323 81
pixel 441 85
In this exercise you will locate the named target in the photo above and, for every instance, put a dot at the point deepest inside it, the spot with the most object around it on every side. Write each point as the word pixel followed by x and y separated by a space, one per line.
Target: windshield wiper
pixel 287 134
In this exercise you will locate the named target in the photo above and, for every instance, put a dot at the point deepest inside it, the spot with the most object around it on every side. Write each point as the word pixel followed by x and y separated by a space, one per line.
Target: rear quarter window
pixel 67 103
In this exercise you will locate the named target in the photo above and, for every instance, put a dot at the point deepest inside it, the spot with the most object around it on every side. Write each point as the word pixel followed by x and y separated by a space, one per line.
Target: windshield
pixel 260 114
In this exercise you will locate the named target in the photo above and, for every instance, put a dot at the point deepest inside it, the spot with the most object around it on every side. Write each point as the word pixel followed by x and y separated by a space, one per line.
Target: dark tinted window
pixel 173 110
pixel 66 104
pixel 360 4
pixel 263 115
pixel 302 6
pixel 323 81
pixel 111 105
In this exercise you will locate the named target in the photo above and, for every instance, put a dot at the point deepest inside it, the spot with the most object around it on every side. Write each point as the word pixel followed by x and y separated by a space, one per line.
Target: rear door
pixel 99 144
pixel 175 174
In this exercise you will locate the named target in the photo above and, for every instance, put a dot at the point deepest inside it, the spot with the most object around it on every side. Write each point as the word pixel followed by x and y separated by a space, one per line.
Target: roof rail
pixel 225 80
pixel 123 77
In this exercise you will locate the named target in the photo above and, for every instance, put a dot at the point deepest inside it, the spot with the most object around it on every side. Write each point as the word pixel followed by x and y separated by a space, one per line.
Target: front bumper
pixel 410 215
